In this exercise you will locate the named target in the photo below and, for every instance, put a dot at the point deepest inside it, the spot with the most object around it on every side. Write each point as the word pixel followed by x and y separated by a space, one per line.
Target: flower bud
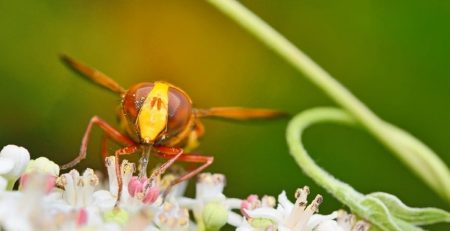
pixel 136 185
pixel 42 165
pixel 116 215
pixel 13 160
pixel 214 215
pixel 151 195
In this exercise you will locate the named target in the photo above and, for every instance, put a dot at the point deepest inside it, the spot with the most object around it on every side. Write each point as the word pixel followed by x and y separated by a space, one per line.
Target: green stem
pixel 417 156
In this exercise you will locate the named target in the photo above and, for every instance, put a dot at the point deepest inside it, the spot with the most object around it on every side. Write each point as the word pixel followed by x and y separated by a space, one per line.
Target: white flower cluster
pixel 47 200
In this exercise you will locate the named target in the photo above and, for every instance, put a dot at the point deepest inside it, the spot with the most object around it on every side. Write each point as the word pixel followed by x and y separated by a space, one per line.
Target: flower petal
pixel 3 183
pixel 188 202
pixel 235 219
pixel 284 202
pixel 328 225
pixel 268 213
pixel 20 156
pixel 233 203
pixel 6 165
pixel 245 226
pixel 103 199
pixel 316 219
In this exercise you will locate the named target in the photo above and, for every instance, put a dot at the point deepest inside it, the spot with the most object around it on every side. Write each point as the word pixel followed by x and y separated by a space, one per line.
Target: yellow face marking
pixel 153 116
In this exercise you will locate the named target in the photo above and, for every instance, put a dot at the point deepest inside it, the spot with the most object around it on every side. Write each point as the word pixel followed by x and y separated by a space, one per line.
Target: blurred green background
pixel 394 55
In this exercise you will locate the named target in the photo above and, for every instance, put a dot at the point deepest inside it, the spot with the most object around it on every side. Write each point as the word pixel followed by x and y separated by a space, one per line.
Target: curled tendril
pixel 383 210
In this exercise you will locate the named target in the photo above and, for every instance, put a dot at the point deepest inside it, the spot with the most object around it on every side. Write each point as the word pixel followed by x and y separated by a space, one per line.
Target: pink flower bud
pixel 250 203
pixel 252 198
pixel 136 185
pixel 81 217
pixel 151 195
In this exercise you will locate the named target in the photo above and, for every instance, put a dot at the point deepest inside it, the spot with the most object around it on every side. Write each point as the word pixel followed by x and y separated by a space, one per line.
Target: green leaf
pixel 378 214
pixel 417 216
pixel 406 226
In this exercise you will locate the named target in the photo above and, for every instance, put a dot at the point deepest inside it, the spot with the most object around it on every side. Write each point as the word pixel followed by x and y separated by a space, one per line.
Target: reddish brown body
pixel 158 118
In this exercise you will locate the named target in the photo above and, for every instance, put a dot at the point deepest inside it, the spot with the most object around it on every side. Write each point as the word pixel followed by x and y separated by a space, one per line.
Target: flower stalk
pixel 412 152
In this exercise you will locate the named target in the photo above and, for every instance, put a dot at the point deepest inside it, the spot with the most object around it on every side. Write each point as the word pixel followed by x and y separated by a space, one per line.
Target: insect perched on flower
pixel 157 118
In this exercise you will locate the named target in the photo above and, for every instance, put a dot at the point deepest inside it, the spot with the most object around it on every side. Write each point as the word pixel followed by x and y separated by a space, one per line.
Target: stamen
pixel 346 220
pixel 78 190
pixel 299 208
pixel 90 180
pixel 112 176
pixel 127 169
pixel 309 211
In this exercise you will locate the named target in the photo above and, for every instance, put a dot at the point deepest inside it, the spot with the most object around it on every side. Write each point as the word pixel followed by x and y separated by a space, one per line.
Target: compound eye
pixel 134 99
pixel 180 110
